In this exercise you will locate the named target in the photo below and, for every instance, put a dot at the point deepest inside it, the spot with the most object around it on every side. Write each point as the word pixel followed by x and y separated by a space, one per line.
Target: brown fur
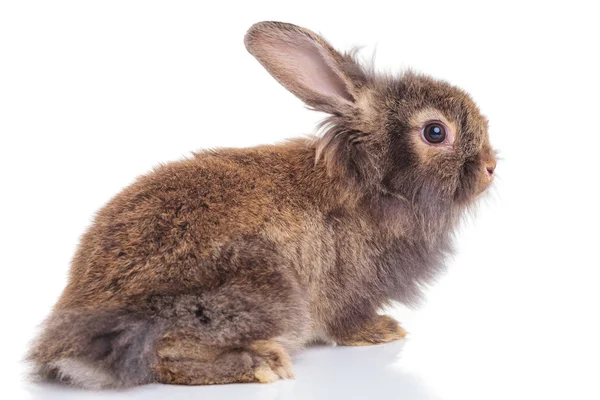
pixel 382 329
pixel 212 269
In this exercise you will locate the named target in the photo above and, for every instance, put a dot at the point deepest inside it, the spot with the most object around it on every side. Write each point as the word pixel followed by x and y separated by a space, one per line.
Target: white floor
pixel 321 373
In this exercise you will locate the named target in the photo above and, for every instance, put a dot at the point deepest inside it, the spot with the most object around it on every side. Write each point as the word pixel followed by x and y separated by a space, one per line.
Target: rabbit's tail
pixel 95 349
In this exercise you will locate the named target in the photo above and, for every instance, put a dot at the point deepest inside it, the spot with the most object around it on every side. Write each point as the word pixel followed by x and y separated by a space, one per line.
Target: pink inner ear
pixel 308 65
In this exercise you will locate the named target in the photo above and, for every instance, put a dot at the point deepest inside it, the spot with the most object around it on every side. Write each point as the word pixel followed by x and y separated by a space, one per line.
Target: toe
pixel 264 374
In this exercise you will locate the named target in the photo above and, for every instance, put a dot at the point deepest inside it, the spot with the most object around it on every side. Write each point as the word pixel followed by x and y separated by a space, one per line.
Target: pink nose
pixel 490 169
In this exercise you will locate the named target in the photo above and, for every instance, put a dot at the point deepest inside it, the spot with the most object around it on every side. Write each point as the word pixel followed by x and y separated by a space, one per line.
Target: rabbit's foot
pixel 186 361
pixel 273 361
pixel 382 329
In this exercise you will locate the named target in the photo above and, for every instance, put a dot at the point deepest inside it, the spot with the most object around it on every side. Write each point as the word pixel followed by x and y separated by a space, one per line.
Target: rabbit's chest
pixel 362 264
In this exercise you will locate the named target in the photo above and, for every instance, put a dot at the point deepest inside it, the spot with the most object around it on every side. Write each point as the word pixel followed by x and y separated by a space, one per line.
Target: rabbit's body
pixel 206 227
pixel 214 268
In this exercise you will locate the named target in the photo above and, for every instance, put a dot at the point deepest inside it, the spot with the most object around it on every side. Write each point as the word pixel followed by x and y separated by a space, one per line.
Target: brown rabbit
pixel 215 268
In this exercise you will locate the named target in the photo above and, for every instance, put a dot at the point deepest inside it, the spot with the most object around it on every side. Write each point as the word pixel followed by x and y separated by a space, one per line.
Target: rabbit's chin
pixel 470 208
pixel 466 196
pixel 481 192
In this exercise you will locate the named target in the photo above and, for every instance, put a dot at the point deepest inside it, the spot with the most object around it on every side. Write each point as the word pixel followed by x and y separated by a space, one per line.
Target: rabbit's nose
pixel 490 167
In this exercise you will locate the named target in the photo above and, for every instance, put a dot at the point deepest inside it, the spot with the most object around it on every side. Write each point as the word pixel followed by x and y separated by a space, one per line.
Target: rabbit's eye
pixel 434 132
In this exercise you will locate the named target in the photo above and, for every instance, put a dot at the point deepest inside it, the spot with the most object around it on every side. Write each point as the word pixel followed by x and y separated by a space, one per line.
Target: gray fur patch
pixel 96 350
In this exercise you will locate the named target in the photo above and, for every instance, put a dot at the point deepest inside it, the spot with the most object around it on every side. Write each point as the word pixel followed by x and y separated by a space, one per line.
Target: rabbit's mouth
pixel 487 181
pixel 475 179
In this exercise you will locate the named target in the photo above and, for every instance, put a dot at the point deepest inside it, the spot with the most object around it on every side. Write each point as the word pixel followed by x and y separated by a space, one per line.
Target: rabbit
pixel 217 268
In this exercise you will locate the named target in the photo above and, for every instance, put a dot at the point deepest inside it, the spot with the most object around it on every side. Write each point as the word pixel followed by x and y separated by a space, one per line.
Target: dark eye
pixel 434 132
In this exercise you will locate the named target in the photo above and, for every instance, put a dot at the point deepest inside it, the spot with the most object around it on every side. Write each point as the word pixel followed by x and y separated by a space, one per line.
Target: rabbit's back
pixel 171 229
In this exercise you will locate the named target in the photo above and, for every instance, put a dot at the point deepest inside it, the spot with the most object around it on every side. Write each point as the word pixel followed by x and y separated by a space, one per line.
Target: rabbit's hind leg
pixel 239 332
pixel 186 360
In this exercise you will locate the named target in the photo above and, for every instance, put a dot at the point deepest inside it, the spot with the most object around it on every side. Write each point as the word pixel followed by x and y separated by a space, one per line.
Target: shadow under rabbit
pixel 322 372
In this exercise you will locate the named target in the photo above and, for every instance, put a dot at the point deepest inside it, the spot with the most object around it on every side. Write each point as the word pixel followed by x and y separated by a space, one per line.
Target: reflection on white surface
pixel 321 373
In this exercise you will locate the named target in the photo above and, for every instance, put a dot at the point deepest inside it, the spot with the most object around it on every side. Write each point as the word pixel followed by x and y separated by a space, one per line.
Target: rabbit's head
pixel 411 136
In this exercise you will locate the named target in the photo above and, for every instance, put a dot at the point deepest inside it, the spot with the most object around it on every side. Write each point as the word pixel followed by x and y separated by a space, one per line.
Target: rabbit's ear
pixel 306 65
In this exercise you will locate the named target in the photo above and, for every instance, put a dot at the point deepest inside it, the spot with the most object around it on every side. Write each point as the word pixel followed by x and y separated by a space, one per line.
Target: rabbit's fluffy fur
pixel 215 268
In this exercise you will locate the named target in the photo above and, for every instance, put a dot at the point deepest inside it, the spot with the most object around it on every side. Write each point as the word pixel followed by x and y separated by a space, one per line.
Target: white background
pixel 93 94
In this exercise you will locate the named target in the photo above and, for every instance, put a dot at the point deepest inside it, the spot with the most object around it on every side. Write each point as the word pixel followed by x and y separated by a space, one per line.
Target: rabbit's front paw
pixel 382 329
